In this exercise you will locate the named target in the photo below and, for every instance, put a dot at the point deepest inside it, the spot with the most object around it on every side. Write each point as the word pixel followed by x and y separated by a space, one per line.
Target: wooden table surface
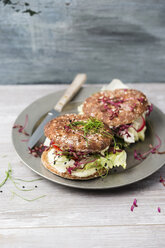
pixel 68 217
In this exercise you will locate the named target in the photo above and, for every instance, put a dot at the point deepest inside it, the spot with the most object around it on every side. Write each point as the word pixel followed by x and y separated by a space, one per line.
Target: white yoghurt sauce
pixel 60 163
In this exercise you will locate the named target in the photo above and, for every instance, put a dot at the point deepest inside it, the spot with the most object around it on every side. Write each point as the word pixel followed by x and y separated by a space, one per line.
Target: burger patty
pixel 118 107
pixel 67 135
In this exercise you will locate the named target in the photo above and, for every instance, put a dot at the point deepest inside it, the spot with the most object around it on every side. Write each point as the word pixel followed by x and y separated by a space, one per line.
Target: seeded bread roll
pixel 66 135
pixel 115 108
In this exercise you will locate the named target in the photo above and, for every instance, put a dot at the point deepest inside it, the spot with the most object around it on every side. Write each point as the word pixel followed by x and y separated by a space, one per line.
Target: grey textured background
pixel 104 38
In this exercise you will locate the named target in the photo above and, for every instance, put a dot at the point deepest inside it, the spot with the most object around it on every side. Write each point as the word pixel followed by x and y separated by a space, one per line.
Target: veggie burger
pixel 81 147
pixel 123 110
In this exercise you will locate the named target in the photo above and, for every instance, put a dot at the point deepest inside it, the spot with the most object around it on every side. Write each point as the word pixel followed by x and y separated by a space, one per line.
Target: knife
pixel 78 81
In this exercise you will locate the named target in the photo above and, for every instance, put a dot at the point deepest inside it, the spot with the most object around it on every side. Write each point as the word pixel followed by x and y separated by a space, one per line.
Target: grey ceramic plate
pixel 135 170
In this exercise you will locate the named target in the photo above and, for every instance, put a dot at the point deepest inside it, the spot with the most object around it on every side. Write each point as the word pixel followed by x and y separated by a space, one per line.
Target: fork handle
pixel 74 87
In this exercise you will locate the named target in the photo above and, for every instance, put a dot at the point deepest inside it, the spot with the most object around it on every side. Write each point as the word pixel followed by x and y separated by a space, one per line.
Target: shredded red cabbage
pixel 114 114
pixel 135 202
pixel 149 109
pixel 138 156
pixel 122 130
pixel 78 164
pixel 113 102
pixel 69 170
pixel 85 161
pixel 141 99
pixel 132 208
pixel 37 150
pixel 21 129
pixel 112 149
pixel 159 209
pixel 162 181
pixel 67 128
pixel 154 149
pixel 73 154
pixel 133 107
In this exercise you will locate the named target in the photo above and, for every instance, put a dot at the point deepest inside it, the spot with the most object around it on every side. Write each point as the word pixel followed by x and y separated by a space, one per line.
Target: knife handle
pixel 78 81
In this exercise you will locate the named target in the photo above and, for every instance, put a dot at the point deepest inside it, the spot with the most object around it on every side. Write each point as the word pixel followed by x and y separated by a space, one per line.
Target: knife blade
pixel 68 95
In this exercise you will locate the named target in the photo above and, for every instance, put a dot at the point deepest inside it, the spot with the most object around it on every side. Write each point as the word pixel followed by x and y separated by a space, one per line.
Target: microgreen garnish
pixel 29 200
pixel 13 180
pixel 106 173
pixel 15 184
pixel 90 126
pixel 8 172
pixel 27 181
pixel 4 156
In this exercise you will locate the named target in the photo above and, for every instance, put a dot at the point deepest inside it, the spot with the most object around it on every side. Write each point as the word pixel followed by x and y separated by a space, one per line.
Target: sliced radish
pixel 142 123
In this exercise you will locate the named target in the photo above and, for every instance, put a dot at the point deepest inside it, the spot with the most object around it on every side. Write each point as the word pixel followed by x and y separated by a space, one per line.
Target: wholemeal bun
pixel 67 135
pixel 115 108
